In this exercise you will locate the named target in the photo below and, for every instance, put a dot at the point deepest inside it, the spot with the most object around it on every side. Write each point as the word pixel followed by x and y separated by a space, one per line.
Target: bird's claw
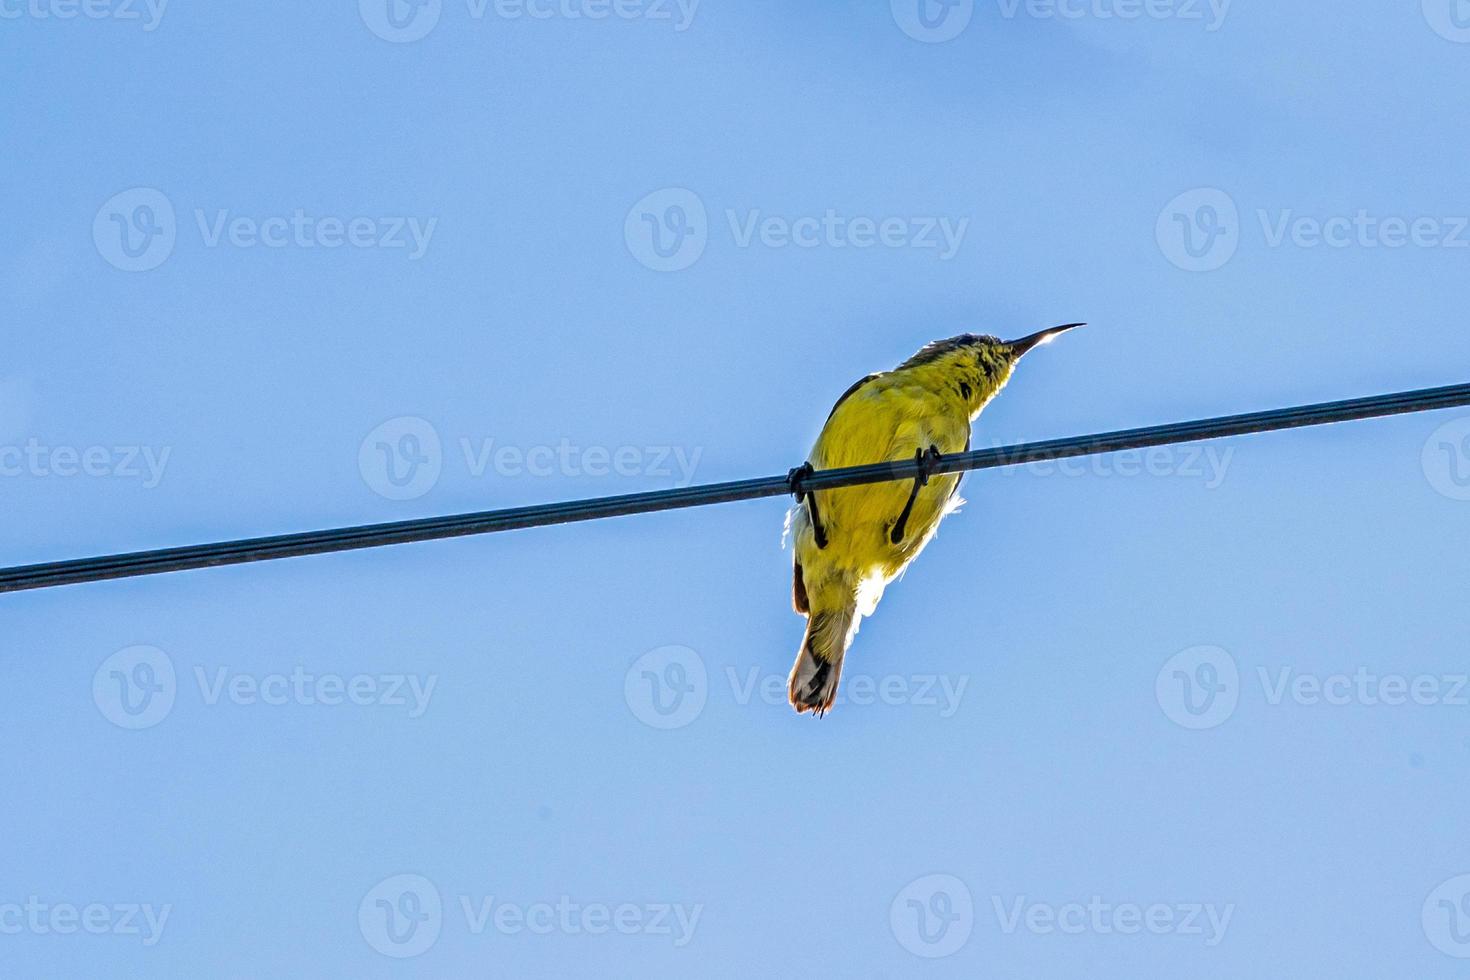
pixel 794 478
pixel 793 482
pixel 927 460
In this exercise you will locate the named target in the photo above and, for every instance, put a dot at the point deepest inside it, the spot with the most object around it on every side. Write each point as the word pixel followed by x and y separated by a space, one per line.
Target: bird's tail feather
pixel 818 667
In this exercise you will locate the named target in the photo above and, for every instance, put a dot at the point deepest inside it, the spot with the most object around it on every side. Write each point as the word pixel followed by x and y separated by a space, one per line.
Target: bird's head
pixel 977 366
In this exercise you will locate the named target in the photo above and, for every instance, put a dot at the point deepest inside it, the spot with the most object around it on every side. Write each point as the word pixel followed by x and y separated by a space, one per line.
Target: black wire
pixel 52 574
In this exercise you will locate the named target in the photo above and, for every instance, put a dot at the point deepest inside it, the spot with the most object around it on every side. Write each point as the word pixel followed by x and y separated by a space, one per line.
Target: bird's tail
pixel 813 684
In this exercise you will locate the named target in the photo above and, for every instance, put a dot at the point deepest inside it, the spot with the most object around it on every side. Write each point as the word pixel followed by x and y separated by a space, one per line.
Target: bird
pixel 848 544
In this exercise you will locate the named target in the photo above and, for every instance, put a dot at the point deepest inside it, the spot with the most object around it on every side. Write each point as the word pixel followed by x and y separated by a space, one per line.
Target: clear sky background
pixel 1065 740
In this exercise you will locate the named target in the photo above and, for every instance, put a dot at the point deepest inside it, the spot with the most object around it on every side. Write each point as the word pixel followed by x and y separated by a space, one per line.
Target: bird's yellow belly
pixel 879 426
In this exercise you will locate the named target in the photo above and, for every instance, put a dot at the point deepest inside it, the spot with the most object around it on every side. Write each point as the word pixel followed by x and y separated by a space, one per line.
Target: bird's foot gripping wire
pixel 793 480
pixel 927 461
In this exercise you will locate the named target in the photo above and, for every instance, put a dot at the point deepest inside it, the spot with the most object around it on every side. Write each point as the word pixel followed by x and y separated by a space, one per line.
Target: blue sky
pixel 280 267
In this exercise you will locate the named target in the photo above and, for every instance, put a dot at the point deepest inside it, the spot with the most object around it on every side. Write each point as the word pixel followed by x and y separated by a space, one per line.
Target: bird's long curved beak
pixel 1019 348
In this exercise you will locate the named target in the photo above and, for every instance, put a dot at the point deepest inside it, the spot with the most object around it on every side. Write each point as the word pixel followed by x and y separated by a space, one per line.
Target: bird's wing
pixel 849 392
pixel 799 600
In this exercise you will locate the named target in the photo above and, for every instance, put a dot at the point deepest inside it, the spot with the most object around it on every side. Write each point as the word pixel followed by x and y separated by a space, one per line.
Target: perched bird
pixel 851 542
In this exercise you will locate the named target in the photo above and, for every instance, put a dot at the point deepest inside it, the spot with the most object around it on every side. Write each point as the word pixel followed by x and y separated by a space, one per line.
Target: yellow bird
pixel 851 542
